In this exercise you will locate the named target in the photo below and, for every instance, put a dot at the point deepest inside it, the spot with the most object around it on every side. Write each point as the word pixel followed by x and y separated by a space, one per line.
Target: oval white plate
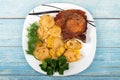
pixel 88 50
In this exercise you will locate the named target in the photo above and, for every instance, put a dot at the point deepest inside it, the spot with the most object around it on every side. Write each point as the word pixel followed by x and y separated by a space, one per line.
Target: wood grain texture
pixel 56 78
pixel 98 8
pixel 107 32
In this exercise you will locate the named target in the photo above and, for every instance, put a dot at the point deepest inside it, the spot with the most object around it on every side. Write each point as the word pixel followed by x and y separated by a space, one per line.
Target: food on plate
pixel 72 55
pixel 52 65
pixel 33 38
pixel 41 53
pixel 54 40
pixel 73 44
pixel 42 33
pixel 47 21
pixel 53 53
pixel 73 23
pixel 60 51
pixel 55 31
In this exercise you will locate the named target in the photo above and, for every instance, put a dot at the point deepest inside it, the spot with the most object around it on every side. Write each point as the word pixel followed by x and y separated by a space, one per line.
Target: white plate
pixel 88 49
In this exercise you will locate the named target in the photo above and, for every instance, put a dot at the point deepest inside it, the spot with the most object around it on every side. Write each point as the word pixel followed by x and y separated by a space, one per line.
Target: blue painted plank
pixel 107 32
pixel 98 8
pixel 57 78
pixel 27 70
pixel 106 63
pixel 11 32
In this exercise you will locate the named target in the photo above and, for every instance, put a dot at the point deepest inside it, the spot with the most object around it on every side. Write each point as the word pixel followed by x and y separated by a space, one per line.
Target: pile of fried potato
pixel 53 46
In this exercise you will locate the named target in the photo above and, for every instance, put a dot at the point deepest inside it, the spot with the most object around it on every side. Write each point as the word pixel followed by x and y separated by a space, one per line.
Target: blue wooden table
pixel 106 64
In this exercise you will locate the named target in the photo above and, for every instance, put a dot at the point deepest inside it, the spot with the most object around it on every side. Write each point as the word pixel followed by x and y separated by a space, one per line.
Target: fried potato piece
pixel 60 51
pixel 41 53
pixel 73 44
pixel 54 42
pixel 42 33
pixel 53 53
pixel 55 31
pixel 47 21
pixel 72 55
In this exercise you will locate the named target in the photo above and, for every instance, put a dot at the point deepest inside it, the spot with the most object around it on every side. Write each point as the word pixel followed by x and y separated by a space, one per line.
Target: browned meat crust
pixel 73 24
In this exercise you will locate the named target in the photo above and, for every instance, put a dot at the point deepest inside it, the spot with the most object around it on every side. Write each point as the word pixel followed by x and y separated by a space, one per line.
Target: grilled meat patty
pixel 73 24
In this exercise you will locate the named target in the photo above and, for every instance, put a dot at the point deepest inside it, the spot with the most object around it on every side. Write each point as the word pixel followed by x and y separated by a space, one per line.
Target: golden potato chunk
pixel 60 51
pixel 55 31
pixel 73 44
pixel 41 53
pixel 47 21
pixel 54 42
pixel 53 53
pixel 72 55
pixel 42 33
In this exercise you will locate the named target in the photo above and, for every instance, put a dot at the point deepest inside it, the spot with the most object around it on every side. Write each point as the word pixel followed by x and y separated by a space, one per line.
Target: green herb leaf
pixel 64 66
pixel 49 71
pixel 62 60
pixel 32 37
pixel 61 72
pixel 51 65
pixel 43 66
